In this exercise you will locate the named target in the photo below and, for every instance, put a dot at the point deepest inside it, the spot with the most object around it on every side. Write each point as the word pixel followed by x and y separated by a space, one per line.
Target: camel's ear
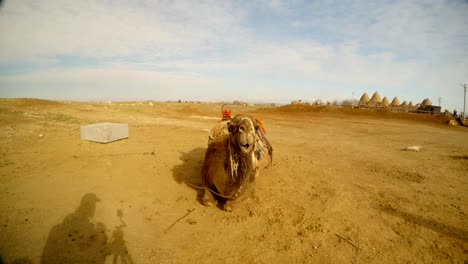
pixel 232 128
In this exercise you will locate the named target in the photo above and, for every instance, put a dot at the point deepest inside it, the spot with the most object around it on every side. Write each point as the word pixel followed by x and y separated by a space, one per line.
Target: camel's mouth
pixel 246 147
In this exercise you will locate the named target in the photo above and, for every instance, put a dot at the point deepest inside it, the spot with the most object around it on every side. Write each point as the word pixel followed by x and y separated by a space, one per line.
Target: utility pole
pixel 464 100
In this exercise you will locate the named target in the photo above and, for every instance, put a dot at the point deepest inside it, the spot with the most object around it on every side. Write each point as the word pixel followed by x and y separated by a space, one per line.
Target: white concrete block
pixel 104 132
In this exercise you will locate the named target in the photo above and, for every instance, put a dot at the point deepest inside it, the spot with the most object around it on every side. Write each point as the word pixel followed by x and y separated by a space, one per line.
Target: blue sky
pixel 224 50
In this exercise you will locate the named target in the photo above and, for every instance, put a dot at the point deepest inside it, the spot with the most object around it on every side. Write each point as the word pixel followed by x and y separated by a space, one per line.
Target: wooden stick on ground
pixel 347 241
pixel 175 222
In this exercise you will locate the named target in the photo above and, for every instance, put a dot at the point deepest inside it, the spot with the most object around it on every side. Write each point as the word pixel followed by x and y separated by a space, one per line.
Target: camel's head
pixel 242 130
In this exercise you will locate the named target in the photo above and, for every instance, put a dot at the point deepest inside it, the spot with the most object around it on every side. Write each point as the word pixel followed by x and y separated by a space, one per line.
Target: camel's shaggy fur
pixel 231 166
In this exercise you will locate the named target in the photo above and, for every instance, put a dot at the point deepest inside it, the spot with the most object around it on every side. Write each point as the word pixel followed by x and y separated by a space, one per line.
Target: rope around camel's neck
pixel 232 173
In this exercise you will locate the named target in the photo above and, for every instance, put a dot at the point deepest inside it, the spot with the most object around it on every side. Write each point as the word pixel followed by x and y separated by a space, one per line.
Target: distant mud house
pixel 375 102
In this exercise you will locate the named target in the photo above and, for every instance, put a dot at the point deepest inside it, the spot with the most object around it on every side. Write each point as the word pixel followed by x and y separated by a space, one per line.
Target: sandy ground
pixel 341 190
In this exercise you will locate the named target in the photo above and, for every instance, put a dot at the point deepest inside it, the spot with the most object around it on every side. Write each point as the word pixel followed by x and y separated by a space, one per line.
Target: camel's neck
pixel 242 165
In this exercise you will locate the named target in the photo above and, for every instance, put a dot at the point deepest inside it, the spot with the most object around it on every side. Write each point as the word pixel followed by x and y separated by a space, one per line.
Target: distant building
pixel 432 109
pixel 395 102
pixel 404 106
pixel 375 102
pixel 426 105
pixel 364 100
pixel 385 101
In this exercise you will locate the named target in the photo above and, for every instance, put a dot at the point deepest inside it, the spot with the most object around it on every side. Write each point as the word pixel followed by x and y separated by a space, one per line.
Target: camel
pixel 231 164
pixel 263 150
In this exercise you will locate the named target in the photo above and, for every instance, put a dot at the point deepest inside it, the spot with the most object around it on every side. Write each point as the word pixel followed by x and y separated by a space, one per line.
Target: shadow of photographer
pixel 79 240
pixel 117 245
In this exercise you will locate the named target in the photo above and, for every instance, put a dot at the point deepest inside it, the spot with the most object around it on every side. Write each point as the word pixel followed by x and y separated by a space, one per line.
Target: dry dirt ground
pixel 341 190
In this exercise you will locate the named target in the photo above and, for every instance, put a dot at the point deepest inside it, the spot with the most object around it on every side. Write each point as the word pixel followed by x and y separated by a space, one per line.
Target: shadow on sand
pixel 117 245
pixel 440 228
pixel 18 261
pixel 22 261
pixel 190 170
pixel 79 240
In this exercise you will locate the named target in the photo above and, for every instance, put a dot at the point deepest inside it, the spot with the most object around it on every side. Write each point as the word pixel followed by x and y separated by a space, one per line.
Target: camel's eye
pixel 232 128
pixel 242 128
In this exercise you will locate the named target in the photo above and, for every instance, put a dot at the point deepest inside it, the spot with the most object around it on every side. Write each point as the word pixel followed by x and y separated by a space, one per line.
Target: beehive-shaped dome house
pixel 404 104
pixel 376 98
pixel 426 102
pixel 395 102
pixel 385 101
pixel 364 99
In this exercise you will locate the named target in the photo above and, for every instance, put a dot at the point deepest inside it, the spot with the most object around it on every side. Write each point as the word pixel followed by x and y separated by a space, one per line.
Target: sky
pixel 258 51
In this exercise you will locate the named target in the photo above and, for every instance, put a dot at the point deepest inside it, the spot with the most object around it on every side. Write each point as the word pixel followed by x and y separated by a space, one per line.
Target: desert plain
pixel 341 188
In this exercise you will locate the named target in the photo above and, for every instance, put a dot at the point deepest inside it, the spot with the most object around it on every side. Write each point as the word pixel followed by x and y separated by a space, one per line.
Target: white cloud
pixel 435 29
pixel 107 77
pixel 32 30
pixel 110 83
pixel 278 6
pixel 216 47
